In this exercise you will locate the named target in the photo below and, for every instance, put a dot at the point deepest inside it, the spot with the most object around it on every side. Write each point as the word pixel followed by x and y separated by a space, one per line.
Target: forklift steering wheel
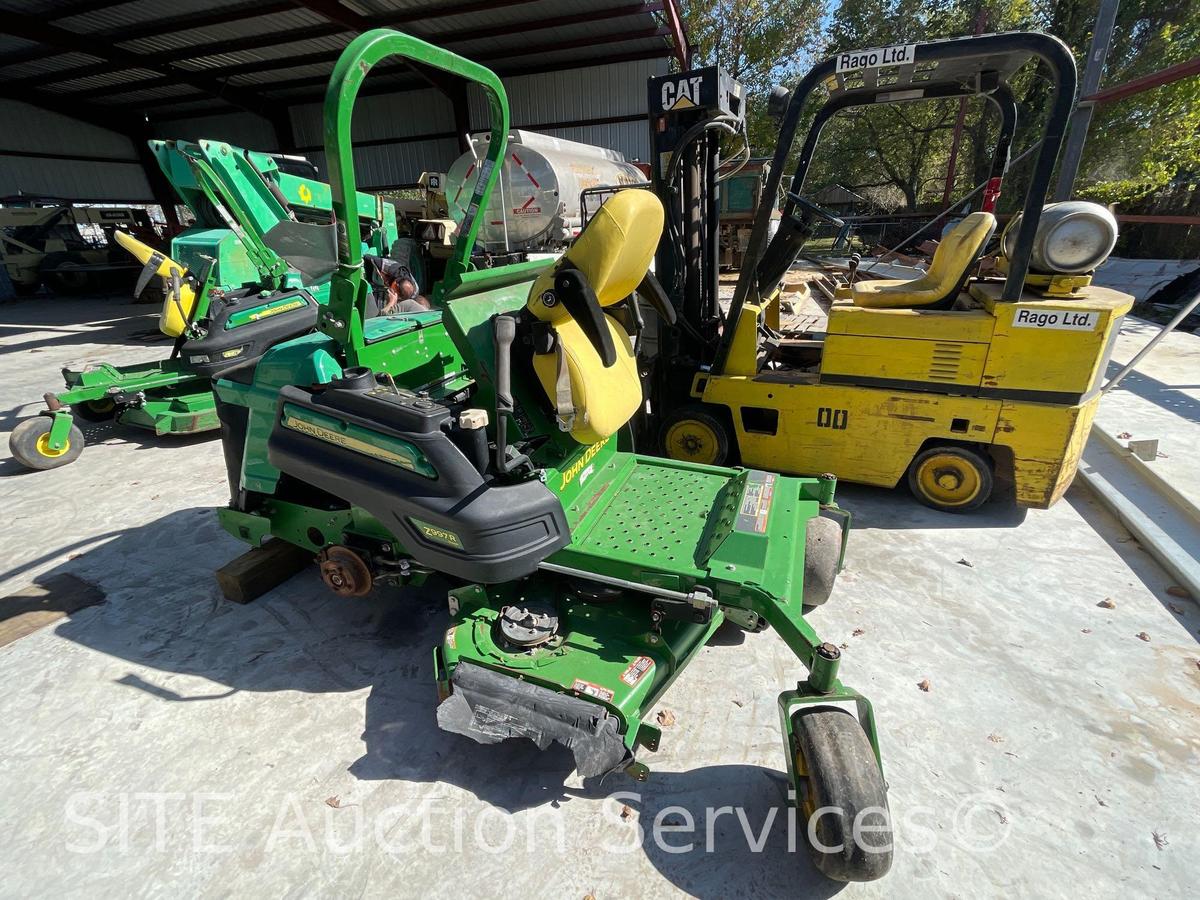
pixel 812 209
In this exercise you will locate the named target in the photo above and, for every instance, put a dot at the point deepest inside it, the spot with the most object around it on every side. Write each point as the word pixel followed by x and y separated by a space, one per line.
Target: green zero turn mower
pixel 479 441
pixel 250 272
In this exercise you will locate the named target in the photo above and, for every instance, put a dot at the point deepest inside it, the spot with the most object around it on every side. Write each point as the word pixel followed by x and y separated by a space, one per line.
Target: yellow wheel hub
pixel 44 448
pixel 949 480
pixel 692 441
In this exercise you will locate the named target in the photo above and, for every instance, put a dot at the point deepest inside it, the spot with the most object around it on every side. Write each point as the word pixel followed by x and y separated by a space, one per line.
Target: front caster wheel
pixel 30 445
pixel 822 553
pixel 841 795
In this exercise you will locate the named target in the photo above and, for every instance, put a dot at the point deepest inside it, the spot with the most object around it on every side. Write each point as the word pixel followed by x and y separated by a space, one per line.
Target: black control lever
pixel 504 331
pixel 651 290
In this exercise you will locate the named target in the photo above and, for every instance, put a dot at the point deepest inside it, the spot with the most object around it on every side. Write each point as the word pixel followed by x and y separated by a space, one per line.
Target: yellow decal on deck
pixel 576 467
pixel 305 193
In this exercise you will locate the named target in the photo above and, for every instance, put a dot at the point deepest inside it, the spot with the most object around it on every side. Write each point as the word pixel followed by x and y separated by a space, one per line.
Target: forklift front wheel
pixel 693 434
pixel 951 479
pixel 95 410
pixel 30 445
pixel 841 795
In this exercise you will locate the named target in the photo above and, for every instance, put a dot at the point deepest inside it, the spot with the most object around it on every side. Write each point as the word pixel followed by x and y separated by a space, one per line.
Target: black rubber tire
pixel 23 443
pixel 981 465
pixel 56 272
pixel 822 552
pixel 704 415
pixel 87 410
pixel 843 775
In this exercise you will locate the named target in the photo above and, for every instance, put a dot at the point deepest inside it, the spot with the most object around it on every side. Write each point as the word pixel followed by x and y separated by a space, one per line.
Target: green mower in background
pixel 249 273
pixel 479 441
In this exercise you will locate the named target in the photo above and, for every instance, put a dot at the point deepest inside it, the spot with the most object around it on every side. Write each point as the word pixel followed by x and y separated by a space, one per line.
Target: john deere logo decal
pixel 305 193
pixel 578 466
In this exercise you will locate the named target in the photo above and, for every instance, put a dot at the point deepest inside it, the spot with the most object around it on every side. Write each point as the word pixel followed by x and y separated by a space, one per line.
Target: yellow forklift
pixel 951 381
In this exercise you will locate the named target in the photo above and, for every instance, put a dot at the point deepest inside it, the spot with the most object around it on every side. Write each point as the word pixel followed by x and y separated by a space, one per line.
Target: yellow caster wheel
pixel 30 445
pixel 693 434
pixel 952 479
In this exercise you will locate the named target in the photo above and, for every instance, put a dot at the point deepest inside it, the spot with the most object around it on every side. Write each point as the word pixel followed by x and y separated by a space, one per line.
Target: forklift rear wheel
pixel 841 785
pixel 951 479
pixel 95 410
pixel 30 445
pixel 693 434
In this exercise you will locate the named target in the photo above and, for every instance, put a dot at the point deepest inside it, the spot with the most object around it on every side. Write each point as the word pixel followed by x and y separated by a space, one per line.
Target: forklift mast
pixel 689 112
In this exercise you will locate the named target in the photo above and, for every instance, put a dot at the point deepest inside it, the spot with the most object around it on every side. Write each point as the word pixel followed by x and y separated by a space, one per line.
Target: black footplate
pixel 406 460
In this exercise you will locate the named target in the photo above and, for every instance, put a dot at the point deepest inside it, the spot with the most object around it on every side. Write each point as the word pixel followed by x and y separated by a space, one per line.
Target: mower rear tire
pixel 950 478
pixel 30 445
pixel 694 433
pixel 841 786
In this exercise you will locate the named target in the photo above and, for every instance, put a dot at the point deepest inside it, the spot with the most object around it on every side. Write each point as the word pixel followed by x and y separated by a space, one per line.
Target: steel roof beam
pixel 331 56
pixel 166 57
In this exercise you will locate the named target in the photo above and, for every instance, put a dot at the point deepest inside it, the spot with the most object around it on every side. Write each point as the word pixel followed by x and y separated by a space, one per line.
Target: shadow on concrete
pixel 100 433
pixel 1144 566
pixel 34 336
pixel 1170 397
pixel 164 612
pixel 897 509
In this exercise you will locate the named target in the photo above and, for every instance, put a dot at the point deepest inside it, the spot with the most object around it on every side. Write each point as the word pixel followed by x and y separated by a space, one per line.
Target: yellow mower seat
pixel 948 270
pixel 613 253
pixel 176 311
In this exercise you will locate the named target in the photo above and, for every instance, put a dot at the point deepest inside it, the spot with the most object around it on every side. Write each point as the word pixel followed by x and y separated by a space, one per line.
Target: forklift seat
pixel 613 255
pixel 948 270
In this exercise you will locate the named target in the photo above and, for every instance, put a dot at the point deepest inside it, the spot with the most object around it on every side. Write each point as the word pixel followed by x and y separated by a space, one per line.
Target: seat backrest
pixel 956 253
pixel 613 255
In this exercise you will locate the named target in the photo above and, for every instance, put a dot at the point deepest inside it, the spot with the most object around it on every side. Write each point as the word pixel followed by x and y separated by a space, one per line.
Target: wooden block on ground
pixel 48 599
pixel 261 568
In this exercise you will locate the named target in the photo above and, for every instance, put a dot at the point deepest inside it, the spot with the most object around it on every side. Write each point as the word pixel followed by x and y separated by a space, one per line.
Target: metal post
pixel 1081 118
pixel 959 121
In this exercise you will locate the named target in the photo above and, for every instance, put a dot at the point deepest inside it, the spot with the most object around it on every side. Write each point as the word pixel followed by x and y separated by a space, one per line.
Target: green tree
pixel 759 43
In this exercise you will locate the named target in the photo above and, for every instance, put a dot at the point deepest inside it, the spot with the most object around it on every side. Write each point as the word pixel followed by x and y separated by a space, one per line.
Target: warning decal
pixel 592 690
pixel 756 502
pixel 636 670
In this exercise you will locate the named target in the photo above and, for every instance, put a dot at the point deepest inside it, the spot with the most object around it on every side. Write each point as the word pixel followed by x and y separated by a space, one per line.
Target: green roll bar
pixel 343 319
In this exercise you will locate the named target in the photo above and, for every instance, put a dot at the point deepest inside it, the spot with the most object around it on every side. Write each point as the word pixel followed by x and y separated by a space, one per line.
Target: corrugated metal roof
pixel 521 30
pixel 251 52
pixel 278 22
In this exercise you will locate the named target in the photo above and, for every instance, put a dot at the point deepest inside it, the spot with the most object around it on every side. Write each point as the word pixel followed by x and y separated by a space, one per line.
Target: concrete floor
pixel 168 742
pixel 1159 400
